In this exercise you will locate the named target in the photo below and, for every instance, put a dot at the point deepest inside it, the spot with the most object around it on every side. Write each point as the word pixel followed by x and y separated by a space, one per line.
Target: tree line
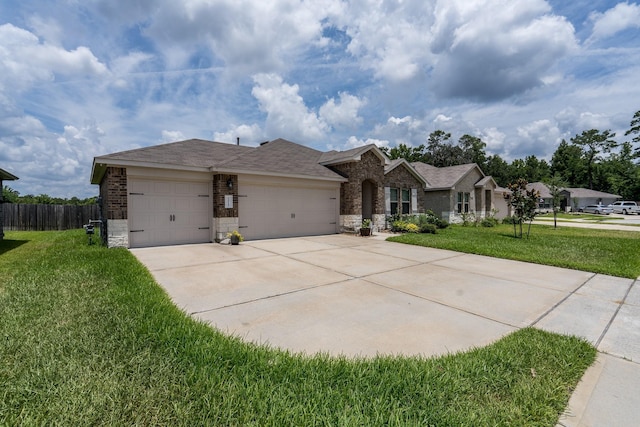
pixel 592 159
pixel 10 195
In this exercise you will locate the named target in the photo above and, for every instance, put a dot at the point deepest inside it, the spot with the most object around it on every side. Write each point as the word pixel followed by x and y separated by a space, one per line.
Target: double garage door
pixel 168 212
pixel 270 211
pixel 171 212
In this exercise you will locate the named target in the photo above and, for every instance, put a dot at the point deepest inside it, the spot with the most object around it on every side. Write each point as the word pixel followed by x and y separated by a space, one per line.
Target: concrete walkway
pixel 364 296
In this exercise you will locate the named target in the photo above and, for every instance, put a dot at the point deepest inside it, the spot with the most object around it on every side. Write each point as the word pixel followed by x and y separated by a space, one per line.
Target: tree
pixel 9 195
pixel 497 168
pixel 473 149
pixel 567 162
pixel 634 129
pixel 593 142
pixel 440 152
pixel 403 151
pixel 621 174
pixel 524 203
pixel 555 185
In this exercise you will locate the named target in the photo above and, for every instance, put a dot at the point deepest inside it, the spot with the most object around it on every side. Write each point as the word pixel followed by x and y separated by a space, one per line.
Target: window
pixel 393 193
pixel 463 203
pixel 406 201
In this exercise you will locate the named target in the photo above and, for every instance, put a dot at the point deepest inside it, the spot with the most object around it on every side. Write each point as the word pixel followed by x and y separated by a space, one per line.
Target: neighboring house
pixel 457 190
pixel 4 176
pixel 571 199
pixel 579 197
pixel 197 191
pixel 501 202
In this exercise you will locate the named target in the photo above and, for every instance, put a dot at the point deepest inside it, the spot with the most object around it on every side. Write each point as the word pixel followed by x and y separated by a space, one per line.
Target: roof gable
pixel 403 163
pixel 446 177
pixel 335 157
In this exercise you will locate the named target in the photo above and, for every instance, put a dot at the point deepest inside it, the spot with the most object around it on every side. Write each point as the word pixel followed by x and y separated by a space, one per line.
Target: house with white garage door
pixel 197 191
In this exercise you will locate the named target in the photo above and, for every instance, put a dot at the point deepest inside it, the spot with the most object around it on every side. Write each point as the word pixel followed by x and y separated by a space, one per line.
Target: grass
pixel 600 251
pixel 89 338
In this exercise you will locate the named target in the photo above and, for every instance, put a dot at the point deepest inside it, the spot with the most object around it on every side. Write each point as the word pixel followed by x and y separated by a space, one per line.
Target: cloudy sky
pixel 81 78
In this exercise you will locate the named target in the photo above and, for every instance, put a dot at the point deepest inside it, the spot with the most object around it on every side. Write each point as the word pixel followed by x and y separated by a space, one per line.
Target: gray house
pixel 197 191
pixel 572 199
pixel 4 176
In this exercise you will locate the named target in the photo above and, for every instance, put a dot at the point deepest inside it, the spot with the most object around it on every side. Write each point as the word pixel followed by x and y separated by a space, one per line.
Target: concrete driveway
pixel 357 296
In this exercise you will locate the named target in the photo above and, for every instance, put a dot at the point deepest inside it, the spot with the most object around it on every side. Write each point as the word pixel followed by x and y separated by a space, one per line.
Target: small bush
pixel 509 220
pixel 412 228
pixel 428 228
pixel 489 222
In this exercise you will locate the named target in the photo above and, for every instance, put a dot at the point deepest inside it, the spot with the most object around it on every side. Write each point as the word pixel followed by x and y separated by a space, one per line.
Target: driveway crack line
pixel 556 305
pixel 606 329
pixel 442 304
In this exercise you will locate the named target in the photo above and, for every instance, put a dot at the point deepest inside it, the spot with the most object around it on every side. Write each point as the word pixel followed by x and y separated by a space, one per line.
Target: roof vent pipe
pixel 238 140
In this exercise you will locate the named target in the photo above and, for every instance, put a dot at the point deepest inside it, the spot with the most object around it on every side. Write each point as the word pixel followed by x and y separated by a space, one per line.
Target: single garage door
pixel 267 211
pixel 168 212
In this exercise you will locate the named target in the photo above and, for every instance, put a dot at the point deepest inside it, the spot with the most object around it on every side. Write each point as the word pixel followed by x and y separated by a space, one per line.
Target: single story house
pixel 4 176
pixel 572 199
pixel 197 191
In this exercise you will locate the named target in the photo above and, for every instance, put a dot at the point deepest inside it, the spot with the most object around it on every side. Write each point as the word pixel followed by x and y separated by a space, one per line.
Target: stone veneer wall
pixel 113 190
pixel 225 220
pixel 370 167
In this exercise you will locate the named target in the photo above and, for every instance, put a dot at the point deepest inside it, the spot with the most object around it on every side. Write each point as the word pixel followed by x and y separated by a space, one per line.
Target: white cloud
pixel 354 142
pixel 172 136
pixel 441 118
pixel 343 114
pixel 614 20
pixel 494 138
pixel 25 60
pixel 571 121
pixel 390 38
pixel 248 35
pixel 535 137
pixel 250 135
pixel 287 114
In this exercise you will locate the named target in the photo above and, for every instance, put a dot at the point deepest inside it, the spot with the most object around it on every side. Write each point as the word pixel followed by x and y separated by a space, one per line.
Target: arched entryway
pixel 369 192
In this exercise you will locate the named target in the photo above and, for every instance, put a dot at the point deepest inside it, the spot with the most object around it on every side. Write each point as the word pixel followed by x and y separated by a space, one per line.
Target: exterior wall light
pixel 230 183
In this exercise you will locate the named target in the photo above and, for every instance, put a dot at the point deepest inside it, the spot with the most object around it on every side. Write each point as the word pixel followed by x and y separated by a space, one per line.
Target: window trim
pixel 463 199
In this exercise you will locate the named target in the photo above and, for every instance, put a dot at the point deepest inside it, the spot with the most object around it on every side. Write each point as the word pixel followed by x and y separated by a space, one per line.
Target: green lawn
pixel 601 251
pixel 89 338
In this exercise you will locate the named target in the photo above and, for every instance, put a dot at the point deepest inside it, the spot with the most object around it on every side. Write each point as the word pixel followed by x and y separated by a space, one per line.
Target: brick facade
pixel 220 190
pixel 371 168
pixel 401 178
pixel 113 190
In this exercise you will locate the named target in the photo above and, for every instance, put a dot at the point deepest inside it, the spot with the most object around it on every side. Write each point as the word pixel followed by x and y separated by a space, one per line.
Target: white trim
pixel 414 200
pixel 387 200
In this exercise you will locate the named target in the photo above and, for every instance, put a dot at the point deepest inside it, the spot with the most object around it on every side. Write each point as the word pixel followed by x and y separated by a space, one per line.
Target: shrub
pixel 489 222
pixel 412 228
pixel 509 220
pixel 428 228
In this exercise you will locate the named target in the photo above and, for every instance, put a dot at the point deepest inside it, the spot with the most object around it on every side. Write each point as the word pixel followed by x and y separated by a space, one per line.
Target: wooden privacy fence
pixel 21 217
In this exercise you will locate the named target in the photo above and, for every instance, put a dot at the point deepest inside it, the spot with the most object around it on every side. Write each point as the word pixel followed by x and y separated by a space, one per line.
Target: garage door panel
pixel 270 211
pixel 168 212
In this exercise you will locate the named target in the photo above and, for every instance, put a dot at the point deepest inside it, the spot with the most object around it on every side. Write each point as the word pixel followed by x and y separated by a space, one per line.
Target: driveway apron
pixel 354 296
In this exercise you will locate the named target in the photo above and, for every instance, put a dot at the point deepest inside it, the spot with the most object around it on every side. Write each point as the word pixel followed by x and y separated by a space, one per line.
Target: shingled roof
pixel 192 152
pixel 443 178
pixel 278 157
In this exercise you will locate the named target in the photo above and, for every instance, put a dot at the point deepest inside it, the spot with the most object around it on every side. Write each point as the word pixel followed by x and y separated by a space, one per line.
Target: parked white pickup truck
pixel 625 208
